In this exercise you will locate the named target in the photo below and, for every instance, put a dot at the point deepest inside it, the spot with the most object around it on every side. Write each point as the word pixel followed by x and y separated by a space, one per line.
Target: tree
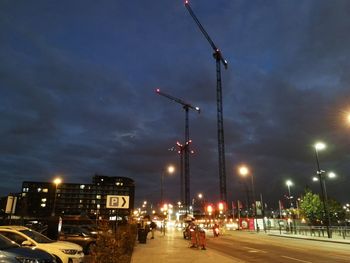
pixel 336 212
pixel 311 207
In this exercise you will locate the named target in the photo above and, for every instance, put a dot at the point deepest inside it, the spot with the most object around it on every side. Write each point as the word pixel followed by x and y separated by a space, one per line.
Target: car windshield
pixel 6 243
pixel 37 236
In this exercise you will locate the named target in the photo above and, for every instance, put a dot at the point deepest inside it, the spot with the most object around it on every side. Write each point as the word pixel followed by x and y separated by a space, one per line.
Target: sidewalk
pixel 174 248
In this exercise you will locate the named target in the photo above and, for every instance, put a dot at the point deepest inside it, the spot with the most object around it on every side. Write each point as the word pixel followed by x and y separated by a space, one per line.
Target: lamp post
pixel 169 169
pixel 201 202
pixel 244 171
pixel 318 147
pixel 289 183
pixel 56 181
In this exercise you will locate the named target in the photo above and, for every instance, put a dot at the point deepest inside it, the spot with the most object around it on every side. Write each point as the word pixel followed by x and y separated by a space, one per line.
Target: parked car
pixel 65 252
pixel 11 252
pixel 78 235
pixel 91 229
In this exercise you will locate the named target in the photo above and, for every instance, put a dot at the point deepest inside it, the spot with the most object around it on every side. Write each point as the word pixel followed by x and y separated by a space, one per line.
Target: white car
pixel 65 252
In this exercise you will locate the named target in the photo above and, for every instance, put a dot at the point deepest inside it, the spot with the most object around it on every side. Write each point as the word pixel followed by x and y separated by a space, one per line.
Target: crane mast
pixel 186 146
pixel 220 123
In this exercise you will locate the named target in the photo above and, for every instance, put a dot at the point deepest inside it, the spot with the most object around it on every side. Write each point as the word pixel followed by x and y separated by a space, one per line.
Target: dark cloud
pixel 77 92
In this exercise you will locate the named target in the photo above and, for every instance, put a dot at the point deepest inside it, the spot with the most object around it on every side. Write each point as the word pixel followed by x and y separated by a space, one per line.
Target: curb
pixel 312 239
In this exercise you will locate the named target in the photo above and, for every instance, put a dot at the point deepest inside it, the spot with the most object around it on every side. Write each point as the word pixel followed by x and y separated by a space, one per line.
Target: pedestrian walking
pixel 202 239
pixel 193 235
pixel 153 226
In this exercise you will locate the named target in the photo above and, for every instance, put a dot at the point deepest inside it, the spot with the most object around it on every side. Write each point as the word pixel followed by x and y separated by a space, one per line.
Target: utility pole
pixel 186 107
pixel 220 123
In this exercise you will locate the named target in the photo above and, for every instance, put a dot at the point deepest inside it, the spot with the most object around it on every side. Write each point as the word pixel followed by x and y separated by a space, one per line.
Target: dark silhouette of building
pixel 39 199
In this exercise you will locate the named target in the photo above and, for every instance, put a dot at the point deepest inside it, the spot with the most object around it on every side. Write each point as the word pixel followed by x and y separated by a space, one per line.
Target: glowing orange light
pixel 209 208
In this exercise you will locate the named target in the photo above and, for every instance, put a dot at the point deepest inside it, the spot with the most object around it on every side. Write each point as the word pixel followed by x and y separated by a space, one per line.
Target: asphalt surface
pixel 258 247
pixel 243 247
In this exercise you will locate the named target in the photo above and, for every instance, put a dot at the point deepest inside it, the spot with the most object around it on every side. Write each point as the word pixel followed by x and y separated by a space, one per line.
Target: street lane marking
pixel 254 250
pixel 296 259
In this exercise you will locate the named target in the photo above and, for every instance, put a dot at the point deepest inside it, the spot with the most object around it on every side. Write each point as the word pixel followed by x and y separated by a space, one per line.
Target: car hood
pixel 27 252
pixel 61 245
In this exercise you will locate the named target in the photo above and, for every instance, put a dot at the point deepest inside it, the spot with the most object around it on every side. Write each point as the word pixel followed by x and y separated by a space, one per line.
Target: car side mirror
pixel 27 243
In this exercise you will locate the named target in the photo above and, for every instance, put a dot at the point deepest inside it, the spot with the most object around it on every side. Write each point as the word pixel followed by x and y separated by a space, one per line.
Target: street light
pixel 330 175
pixel 170 169
pixel 289 183
pixel 318 147
pixel 56 181
pixel 244 172
pixel 347 117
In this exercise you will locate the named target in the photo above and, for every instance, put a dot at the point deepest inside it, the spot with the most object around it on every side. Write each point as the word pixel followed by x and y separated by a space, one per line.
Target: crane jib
pixel 217 53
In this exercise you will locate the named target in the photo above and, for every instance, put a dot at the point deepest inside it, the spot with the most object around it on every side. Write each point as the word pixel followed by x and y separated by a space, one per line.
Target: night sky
pixel 77 81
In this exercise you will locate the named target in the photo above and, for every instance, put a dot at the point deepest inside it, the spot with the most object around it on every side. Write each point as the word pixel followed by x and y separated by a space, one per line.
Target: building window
pixel 39 190
pixel 43 205
pixel 26 189
pixel 82 186
pixel 45 190
pixel 43 200
pixel 98 196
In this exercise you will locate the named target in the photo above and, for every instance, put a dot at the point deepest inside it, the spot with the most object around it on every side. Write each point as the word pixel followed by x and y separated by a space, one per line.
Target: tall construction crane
pixel 220 122
pixel 186 106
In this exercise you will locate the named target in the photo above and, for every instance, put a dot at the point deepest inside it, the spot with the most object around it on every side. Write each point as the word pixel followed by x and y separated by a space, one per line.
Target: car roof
pixel 18 228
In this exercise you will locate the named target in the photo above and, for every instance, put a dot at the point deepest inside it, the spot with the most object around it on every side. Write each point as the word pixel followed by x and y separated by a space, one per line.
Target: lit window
pixel 98 196
pixel 45 190
pixel 39 190
pixel 43 200
pixel 82 186
pixel 43 205
pixel 80 201
pixel 26 189
pixel 93 201
pixel 24 194
pixel 98 206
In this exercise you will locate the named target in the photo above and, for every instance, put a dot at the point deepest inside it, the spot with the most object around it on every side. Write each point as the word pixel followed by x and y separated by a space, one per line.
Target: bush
pixel 114 244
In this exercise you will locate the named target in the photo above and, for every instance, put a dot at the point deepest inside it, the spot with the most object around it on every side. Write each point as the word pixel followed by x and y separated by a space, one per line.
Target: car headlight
pixel 69 251
pixel 27 260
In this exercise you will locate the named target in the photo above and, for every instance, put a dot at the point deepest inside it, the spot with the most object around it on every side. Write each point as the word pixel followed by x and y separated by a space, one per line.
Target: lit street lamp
pixel 348 118
pixel 56 181
pixel 318 147
pixel 244 172
pixel 170 170
pixel 289 183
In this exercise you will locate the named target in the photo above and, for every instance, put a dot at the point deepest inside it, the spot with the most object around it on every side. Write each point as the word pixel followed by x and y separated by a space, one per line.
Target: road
pixel 253 247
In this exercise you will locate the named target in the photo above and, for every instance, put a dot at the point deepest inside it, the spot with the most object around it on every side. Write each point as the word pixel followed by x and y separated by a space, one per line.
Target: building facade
pixel 42 199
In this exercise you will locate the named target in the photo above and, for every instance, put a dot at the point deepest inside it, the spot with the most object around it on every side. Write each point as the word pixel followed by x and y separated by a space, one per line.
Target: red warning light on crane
pixel 157 90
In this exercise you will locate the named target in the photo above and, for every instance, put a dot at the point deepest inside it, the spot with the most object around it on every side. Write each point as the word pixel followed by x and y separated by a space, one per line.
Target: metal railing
pixel 337 232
